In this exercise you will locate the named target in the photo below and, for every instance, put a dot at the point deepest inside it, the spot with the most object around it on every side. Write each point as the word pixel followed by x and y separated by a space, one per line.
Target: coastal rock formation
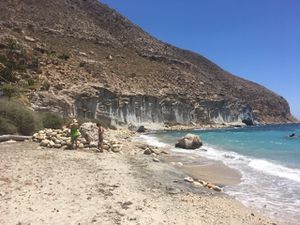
pixel 189 141
pixel 84 59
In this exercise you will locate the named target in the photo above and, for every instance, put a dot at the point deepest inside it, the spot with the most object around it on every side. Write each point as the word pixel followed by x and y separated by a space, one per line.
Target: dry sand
pixel 44 186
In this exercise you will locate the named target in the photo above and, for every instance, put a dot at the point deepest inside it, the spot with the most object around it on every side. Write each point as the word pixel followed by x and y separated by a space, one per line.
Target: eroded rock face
pixel 189 141
pixel 115 108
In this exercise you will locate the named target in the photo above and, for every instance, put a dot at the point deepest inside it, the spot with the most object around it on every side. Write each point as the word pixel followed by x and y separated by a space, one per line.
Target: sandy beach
pixel 46 186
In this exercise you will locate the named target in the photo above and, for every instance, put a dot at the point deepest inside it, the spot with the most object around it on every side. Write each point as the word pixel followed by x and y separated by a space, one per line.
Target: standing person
pixel 100 137
pixel 74 133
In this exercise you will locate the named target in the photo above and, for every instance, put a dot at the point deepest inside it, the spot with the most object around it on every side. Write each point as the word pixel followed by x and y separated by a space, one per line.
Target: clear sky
pixel 255 39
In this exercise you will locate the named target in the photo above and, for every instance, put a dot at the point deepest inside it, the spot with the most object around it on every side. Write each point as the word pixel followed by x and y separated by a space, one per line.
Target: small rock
pixel 217 188
pixel 188 179
pixel 29 39
pixel 57 146
pixel 106 147
pixel 51 144
pixel 45 143
pixel 56 141
pixel 197 184
pixel 179 164
pixel 164 152
pixel 81 146
pixel 204 183
pixel 147 151
pixel 115 148
pixel 156 160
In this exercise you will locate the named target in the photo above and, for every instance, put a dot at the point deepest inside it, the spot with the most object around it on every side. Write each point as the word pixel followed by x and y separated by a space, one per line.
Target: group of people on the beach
pixel 75 134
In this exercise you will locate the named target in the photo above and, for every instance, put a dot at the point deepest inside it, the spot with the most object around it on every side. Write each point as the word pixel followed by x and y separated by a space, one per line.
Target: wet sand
pixel 201 168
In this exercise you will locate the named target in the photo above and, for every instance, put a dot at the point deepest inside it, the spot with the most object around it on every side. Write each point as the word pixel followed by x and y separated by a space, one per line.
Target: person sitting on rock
pixel 74 126
pixel 100 137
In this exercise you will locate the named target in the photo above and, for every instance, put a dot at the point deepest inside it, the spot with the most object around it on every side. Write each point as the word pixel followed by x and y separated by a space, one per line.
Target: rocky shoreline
pixel 42 185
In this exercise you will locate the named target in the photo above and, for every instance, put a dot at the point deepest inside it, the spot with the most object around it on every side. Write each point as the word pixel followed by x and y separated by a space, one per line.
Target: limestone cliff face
pixel 93 62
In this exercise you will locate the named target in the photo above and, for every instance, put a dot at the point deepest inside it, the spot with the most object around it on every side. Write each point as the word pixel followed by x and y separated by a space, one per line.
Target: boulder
pixel 189 141
pixel 90 132
pixel 141 129
pixel 248 121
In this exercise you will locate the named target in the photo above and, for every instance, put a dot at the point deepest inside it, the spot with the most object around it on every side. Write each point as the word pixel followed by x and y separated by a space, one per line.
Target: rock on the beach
pixel 115 148
pixel 141 129
pixel 204 183
pixel 197 184
pixel 189 141
pixel 156 160
pixel 217 188
pixel 188 179
pixel 90 132
pixel 45 143
pixel 147 151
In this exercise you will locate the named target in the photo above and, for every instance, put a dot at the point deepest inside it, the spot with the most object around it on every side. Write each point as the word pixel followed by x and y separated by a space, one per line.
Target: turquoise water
pixel 267 158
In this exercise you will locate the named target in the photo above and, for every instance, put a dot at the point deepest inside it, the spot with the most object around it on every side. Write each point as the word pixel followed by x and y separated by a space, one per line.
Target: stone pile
pixel 55 138
pixel 60 138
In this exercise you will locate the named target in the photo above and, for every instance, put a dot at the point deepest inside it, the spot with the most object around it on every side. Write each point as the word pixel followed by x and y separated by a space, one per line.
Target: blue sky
pixel 258 39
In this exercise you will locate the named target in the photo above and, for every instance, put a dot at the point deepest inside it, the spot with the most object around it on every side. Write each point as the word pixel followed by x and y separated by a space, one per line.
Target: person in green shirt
pixel 74 133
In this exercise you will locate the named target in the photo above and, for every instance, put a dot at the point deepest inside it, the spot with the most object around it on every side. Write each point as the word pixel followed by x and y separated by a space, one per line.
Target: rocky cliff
pixel 82 58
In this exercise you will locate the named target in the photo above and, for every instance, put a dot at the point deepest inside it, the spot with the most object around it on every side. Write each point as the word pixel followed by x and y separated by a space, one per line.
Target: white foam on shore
pixel 262 165
pixel 275 170
pixel 151 140
pixel 266 185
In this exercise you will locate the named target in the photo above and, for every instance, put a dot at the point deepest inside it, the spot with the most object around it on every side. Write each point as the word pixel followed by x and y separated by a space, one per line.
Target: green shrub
pixel 6 127
pixel 7 75
pixel 19 116
pixel 13 44
pixel 31 82
pixel 64 56
pixel 9 90
pixel 52 120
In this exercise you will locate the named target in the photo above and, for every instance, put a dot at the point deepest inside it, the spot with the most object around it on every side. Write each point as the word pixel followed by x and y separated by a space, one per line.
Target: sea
pixel 267 158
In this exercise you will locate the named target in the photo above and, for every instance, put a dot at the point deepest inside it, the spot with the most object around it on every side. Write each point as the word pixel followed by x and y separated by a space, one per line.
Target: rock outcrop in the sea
pixel 189 141
pixel 84 59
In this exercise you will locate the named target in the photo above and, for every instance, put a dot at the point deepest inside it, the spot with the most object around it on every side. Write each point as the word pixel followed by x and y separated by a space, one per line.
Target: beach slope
pixel 44 186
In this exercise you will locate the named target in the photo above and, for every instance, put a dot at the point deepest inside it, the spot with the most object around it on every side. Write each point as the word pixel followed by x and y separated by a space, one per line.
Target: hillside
pixel 79 57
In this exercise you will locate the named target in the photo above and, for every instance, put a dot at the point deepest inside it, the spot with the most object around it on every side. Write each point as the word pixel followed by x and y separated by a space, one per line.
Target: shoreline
pixel 211 170
pixel 71 187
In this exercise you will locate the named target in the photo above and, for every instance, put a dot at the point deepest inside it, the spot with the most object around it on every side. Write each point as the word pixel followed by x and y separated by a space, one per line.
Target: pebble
pixel 188 179
pixel 156 160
